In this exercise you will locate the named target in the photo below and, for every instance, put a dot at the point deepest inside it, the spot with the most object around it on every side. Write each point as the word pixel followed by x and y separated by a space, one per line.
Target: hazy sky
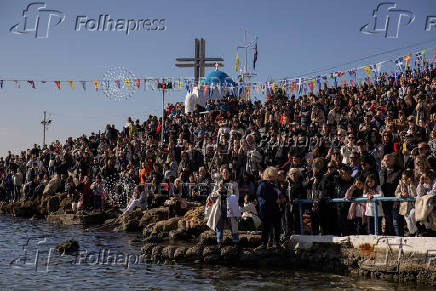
pixel 295 37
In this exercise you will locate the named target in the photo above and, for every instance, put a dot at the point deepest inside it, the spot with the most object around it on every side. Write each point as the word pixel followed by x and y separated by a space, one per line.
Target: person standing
pixel 98 190
pixel 269 211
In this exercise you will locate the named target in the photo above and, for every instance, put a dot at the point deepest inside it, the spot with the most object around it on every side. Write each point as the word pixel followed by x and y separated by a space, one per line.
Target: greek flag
pixel 400 63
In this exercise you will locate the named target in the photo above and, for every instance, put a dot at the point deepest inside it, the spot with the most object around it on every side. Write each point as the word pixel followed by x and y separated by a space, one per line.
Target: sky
pixel 294 38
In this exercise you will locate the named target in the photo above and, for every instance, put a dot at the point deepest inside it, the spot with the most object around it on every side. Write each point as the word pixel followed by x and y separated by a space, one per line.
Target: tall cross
pixel 199 60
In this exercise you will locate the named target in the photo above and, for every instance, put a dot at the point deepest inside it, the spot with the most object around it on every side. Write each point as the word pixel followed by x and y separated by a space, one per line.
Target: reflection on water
pixel 27 261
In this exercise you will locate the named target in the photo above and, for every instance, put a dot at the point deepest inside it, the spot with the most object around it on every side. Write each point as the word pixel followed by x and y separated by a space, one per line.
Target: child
pixel 356 212
pixel 371 189
pixel 407 188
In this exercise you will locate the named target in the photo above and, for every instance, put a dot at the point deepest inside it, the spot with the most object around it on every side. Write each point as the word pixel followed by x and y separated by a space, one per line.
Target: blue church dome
pixel 217 77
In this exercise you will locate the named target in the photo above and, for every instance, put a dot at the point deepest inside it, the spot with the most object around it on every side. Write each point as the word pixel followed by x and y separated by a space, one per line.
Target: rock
pixel 166 225
pixel 194 221
pixel 66 204
pixel 147 248
pixel 180 253
pixel 53 186
pixel 68 247
pixel 180 235
pixel 153 216
pixel 207 238
pixel 194 253
pixel 53 204
pixel 168 252
pixel 211 255
pixel 229 253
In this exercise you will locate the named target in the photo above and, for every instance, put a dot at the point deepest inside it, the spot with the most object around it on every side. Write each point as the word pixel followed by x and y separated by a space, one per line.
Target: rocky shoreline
pixel 186 239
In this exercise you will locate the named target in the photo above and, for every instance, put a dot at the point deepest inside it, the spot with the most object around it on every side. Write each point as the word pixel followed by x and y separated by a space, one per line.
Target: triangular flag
pixel 423 53
pixel 127 82
pixel 71 84
pixel 1 84
pixel 406 61
pixel 138 83
pixel 83 85
pixel 118 82
pixel 237 62
pixel 17 83
pixel 360 81
pixel 95 85
pixel 310 84
pixel 58 84
pixel 344 83
pixel 32 83
pixel 367 70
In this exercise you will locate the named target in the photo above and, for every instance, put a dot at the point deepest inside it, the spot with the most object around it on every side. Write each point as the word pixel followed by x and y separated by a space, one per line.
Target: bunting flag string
pixel 297 86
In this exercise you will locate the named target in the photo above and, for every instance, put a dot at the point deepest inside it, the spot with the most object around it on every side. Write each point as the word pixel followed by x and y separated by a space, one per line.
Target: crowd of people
pixel 249 161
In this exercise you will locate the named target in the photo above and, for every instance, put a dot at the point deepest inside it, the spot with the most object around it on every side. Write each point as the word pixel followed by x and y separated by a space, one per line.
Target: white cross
pixel 216 66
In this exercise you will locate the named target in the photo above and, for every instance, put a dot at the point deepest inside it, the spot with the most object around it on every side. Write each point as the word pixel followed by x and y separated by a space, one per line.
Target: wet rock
pixel 168 252
pixel 53 204
pixel 166 225
pixel 68 247
pixel 156 253
pixel 147 248
pixel 207 238
pixel 180 253
pixel 153 216
pixel 211 255
pixel 194 253
pixel 53 186
pixel 179 235
pixel 229 254
pixel 194 221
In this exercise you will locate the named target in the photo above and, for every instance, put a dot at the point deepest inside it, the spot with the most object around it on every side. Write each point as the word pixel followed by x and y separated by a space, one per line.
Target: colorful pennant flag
pixel 32 83
pixel 367 70
pixel 118 82
pixel 17 83
pixel 127 82
pixel 1 84
pixel 406 61
pixel 83 85
pixel 58 84
pixel 138 83
pixel 95 85
pixel 399 63
pixel 237 62
pixel 71 84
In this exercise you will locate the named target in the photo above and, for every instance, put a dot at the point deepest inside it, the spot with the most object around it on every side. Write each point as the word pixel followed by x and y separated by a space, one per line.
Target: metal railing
pixel 358 200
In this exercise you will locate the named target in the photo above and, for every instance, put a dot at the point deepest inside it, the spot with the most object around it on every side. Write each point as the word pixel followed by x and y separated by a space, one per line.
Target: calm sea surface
pixel 112 261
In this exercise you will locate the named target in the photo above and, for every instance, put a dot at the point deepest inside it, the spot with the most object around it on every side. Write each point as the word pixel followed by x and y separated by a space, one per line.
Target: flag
pixel 310 84
pixel 58 84
pixel 313 83
pixel 406 61
pixel 1 84
pixel 31 83
pixel 344 83
pixel 435 52
pixel 352 83
pixel 83 85
pixel 118 82
pixel 367 70
pixel 399 63
pixel 340 74
pixel 127 82
pixel 378 68
pixel 95 85
pixel 360 81
pixel 138 83
pixel 255 57
pixel 17 83
pixel 423 53
pixel 71 84
pixel 237 62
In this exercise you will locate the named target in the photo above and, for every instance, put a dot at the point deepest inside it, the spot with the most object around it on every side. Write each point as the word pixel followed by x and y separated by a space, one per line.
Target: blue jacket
pixel 267 195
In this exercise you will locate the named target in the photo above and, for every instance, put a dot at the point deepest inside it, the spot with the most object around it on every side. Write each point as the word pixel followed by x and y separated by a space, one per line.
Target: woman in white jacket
pixel 370 190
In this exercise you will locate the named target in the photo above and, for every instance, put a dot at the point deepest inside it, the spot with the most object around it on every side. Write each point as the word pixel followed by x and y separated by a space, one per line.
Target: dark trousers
pixel 323 219
pixel 371 227
pixel 388 213
pixel 398 221
pixel 270 224
pixel 343 225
